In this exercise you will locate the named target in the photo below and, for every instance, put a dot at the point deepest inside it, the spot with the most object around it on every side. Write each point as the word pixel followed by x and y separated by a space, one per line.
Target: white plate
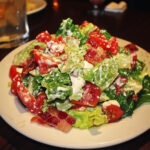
pixel 39 5
pixel 16 116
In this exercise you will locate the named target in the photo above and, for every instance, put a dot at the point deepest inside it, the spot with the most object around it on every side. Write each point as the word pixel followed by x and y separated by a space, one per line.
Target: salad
pixel 79 77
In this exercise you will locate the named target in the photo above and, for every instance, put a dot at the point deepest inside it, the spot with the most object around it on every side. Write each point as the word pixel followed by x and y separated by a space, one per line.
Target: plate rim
pixel 44 4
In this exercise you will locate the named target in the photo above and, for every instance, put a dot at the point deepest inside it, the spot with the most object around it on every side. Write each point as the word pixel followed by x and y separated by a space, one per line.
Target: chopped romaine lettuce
pixel 86 119
pixel 58 91
pixel 111 92
pixel 56 84
pixel 136 72
pixel 75 59
pixel 67 28
pixel 103 74
pixel 126 104
pixel 133 85
pixel 144 94
pixel 63 105
pixel 123 60
pixel 55 77
pixel 33 83
pixel 124 72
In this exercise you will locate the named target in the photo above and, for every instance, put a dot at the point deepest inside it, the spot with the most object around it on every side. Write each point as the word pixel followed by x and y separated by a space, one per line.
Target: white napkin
pixel 116 7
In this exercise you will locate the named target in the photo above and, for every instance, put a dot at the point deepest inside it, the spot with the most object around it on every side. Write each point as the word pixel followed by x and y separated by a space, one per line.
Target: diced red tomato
pixel 100 39
pixel 109 45
pixel 26 97
pixel 119 83
pixel 15 82
pixel 113 113
pixel 91 95
pixel 114 48
pixel 43 37
pixel 13 71
pixel 45 61
pixel 15 77
pixel 92 43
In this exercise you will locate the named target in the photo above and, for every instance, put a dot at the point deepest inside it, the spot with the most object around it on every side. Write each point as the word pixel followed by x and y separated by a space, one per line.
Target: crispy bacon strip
pixel 55 118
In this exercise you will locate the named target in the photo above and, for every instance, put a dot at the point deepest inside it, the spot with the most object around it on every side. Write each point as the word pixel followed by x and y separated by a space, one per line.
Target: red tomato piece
pixel 114 48
pixel 91 95
pixel 119 83
pixel 43 37
pixel 26 97
pixel 113 113
pixel 100 39
pixel 109 45
pixel 45 61
pixel 13 71
pixel 92 43
pixel 16 79
pixel 15 82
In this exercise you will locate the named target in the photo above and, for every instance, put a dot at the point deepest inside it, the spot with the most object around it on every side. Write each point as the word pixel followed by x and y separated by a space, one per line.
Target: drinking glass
pixel 14 28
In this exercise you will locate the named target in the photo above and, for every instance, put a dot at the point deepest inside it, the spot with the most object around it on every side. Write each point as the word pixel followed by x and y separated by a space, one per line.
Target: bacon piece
pixel 55 118
pixel 28 66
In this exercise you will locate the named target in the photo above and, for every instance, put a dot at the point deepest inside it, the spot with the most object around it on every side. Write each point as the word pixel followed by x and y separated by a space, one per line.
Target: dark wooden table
pixel 132 25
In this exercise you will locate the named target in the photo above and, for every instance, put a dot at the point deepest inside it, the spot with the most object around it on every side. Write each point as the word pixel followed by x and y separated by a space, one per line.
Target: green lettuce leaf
pixel 88 118
pixel 137 70
pixel 57 85
pixel 103 74
pixel 33 83
pixel 58 91
pixel 67 28
pixel 144 94
pixel 75 59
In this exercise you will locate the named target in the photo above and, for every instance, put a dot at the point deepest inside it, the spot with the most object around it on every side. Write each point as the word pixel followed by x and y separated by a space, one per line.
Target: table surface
pixel 132 25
